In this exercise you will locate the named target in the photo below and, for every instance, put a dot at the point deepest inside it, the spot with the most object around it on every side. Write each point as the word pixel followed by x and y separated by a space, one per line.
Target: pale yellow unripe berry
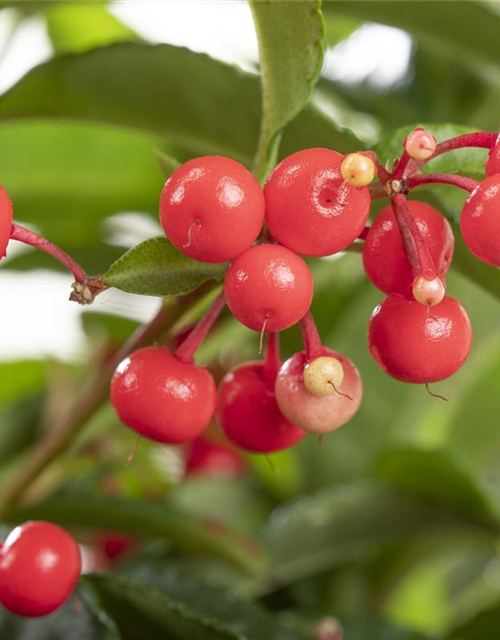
pixel 420 144
pixel 357 170
pixel 323 376
pixel 429 292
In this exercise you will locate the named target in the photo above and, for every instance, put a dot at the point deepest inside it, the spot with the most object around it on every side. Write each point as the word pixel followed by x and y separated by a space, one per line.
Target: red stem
pixel 364 233
pixel 188 348
pixel 478 139
pixel 311 337
pixel 468 184
pixel 416 249
pixel 272 360
pixel 382 172
pixel 33 239
pixel 400 168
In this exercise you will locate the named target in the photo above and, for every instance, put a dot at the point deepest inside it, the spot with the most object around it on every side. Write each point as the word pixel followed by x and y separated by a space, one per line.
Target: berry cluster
pixel 40 565
pixel 315 203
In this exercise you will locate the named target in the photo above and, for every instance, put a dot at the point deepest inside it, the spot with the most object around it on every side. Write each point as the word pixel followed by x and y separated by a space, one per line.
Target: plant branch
pixel 468 184
pixel 311 337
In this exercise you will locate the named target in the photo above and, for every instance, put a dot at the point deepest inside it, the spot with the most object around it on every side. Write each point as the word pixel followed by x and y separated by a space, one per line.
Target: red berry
pixel 212 208
pixel 5 221
pixel 310 208
pixel 268 287
pixel 480 221
pixel 310 412
pixel 213 459
pixel 248 412
pixel 162 398
pixel 416 344
pixel 384 257
pixel 40 565
pixel 492 165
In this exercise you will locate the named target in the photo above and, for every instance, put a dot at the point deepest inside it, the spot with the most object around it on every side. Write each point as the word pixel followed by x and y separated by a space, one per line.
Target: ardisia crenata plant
pixel 316 202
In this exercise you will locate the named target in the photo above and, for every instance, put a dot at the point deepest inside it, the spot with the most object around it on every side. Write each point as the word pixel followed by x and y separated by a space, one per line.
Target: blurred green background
pixel 392 526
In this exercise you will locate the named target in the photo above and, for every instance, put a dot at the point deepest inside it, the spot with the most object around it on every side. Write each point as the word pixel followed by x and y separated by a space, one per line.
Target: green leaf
pixel 367 628
pixel 470 34
pixel 81 618
pixel 144 86
pixel 146 520
pixel 76 26
pixel 20 378
pixel 435 477
pixel 290 37
pixel 156 268
pixel 464 161
pixel 340 525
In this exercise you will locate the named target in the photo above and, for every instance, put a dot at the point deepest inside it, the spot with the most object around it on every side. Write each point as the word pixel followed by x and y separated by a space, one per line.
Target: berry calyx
pixel 384 256
pixel 480 223
pixel 268 288
pixel 323 376
pixel 6 213
pixel 420 144
pixel 212 208
pixel 413 344
pixel 162 398
pixel 40 564
pixel 309 207
pixel 313 413
pixel 358 170
pixel 428 292
pixel 248 412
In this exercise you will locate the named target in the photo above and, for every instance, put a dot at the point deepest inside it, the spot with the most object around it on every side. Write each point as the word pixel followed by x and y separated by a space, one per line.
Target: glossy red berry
pixel 480 221
pixel 40 565
pixel 162 398
pixel 311 412
pixel 5 221
pixel 416 344
pixel 384 257
pixel 492 165
pixel 248 413
pixel 310 208
pixel 212 208
pixel 213 459
pixel 268 287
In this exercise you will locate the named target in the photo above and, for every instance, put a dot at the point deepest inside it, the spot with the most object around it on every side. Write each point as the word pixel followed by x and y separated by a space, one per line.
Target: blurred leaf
pixel 463 161
pixel 65 177
pixel 144 86
pixel 345 523
pixel 469 36
pixel 485 625
pixel 435 477
pixel 167 164
pixel 290 37
pixel 146 520
pixel 19 378
pixel 81 618
pixel 19 426
pixel 248 620
pixel 156 268
pixel 113 328
pixel 78 26
pixel 371 628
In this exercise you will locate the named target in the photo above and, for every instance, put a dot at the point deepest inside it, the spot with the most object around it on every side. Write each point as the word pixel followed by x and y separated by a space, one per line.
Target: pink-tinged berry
pixel 420 144
pixel 384 256
pixel 6 214
pixel 309 206
pixel 268 288
pixel 480 221
pixel 40 564
pixel 416 344
pixel 248 413
pixel 212 209
pixel 162 398
pixel 311 412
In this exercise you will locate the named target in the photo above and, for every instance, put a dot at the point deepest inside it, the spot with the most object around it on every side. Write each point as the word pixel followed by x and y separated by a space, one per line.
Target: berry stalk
pixel 272 360
pixel 310 335
pixel 468 184
pixel 188 348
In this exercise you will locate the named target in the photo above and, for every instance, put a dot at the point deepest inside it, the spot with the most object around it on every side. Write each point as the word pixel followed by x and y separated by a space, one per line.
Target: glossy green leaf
pixel 144 86
pixel 464 161
pixel 156 268
pixel 81 618
pixel 80 26
pixel 146 520
pixel 290 37
pixel 435 477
